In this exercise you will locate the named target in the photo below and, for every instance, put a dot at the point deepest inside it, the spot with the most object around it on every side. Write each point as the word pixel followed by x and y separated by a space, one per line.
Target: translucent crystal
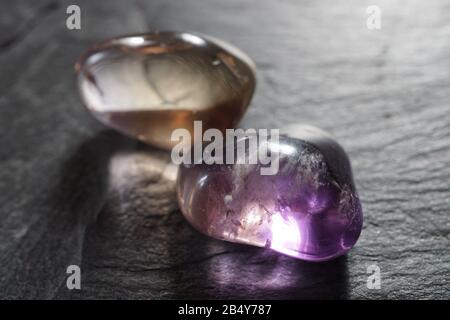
pixel 148 85
pixel 309 209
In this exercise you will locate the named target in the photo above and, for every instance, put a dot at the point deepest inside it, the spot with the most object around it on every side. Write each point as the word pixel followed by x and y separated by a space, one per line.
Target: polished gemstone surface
pixel 309 209
pixel 148 85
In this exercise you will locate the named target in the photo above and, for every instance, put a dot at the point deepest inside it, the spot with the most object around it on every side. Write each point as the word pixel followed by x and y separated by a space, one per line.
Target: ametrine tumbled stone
pixel 148 85
pixel 309 209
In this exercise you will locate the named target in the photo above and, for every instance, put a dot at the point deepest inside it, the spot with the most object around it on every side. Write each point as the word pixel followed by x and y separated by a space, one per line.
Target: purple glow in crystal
pixel 309 210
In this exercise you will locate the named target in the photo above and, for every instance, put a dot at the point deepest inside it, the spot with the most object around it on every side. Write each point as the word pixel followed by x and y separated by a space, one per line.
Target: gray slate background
pixel 74 192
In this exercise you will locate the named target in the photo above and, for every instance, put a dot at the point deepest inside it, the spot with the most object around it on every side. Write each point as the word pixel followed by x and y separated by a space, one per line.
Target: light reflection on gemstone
pixel 193 39
pixel 285 234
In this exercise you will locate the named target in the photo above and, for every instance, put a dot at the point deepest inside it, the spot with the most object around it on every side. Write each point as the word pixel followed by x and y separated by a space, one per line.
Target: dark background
pixel 75 192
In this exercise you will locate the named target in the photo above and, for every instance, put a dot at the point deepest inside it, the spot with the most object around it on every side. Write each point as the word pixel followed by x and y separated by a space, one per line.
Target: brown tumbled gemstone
pixel 148 85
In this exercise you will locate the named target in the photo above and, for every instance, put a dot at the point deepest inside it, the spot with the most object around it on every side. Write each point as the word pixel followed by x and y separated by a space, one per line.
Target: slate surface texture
pixel 75 192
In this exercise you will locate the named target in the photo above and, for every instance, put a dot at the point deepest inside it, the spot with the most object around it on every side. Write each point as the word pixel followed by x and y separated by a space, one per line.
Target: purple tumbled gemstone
pixel 309 209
